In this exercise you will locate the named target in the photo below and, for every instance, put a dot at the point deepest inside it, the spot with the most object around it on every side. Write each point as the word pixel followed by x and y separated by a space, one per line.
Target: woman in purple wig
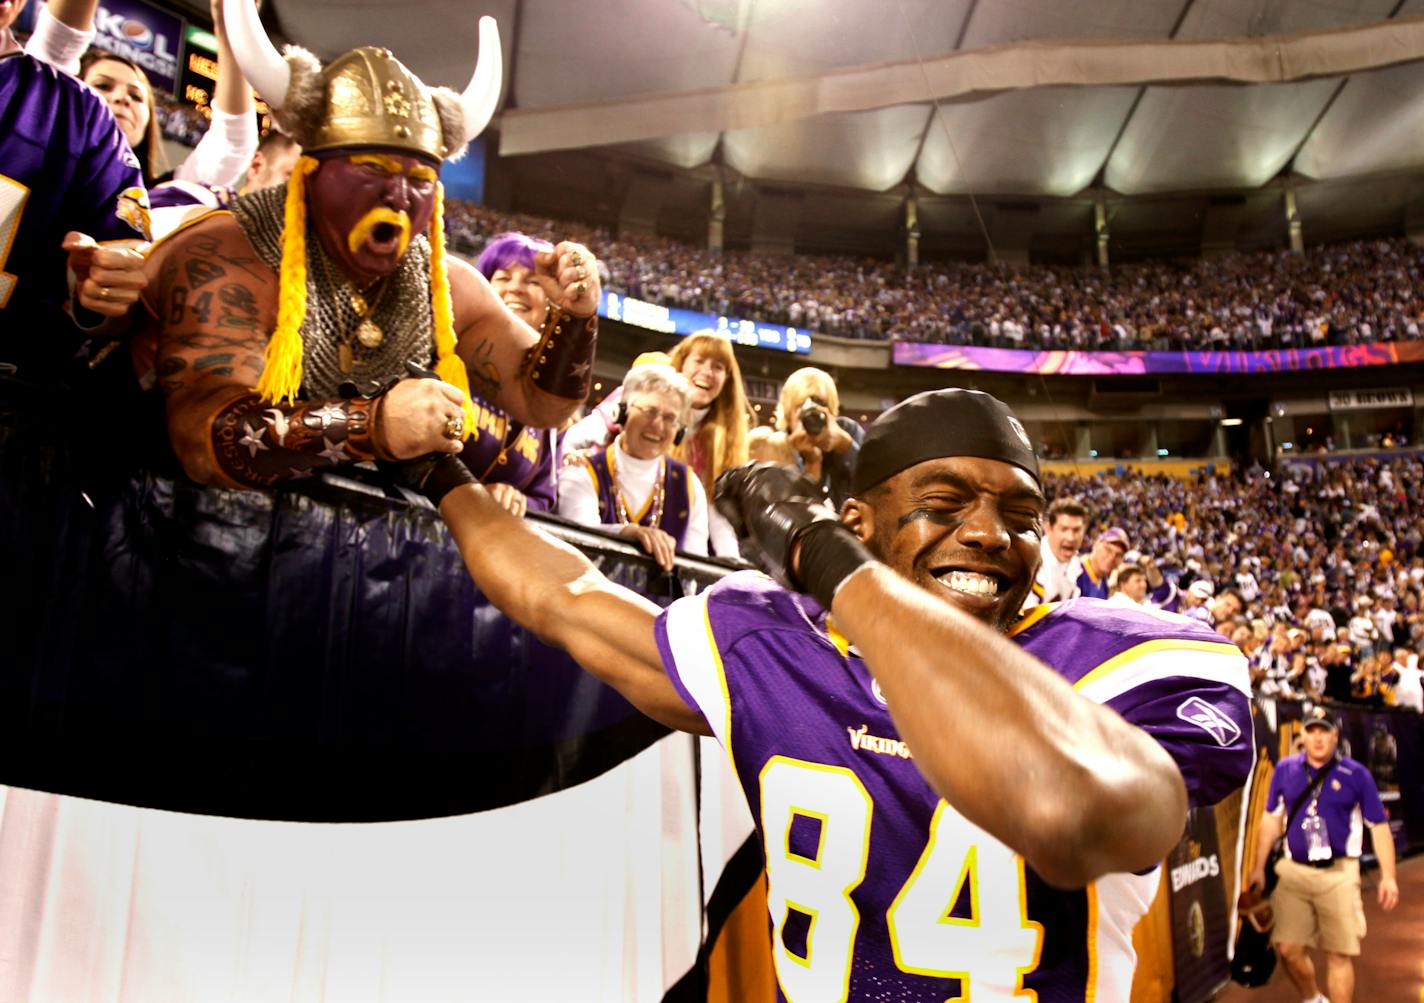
pixel 517 464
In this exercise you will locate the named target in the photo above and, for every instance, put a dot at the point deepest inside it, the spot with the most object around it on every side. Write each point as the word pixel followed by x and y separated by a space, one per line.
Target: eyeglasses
pixel 653 414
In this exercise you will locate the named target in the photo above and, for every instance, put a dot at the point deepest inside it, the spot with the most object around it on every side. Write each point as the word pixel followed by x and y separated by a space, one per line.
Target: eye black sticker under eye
pixel 937 516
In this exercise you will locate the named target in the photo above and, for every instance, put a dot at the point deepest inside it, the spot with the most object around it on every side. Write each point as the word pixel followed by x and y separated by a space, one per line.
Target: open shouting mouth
pixel 382 230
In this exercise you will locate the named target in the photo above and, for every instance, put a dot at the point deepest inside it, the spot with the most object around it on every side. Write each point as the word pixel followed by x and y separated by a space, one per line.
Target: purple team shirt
pixel 1348 798
pixel 878 889
pixel 64 166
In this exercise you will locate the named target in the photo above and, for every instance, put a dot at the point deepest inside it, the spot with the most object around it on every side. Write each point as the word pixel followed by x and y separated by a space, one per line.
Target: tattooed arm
pixel 538 376
pixel 214 305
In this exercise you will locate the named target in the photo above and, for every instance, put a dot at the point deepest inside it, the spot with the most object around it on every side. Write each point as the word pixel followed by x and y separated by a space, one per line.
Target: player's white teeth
pixel 968 581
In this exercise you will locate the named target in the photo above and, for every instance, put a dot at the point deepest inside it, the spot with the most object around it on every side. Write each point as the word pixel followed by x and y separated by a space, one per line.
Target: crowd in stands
pixel 1339 294
pixel 1327 560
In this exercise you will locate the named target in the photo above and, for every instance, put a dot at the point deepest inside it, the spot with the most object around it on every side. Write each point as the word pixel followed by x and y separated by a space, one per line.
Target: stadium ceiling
pixel 1038 98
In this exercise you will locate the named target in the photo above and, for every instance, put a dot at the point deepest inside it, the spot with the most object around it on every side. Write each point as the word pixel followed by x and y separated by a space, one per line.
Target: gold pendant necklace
pixel 368 333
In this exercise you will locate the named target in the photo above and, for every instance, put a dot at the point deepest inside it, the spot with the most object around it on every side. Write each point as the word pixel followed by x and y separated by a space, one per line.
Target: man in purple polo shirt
pixel 1317 901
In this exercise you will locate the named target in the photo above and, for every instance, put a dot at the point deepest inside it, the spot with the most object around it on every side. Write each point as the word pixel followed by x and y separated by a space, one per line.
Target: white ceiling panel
pixel 571 51
pixel 1213 136
pixel 1049 141
pixel 1002 21
pixel 791 38
pixel 1376 124
pixel 868 149
pixel 1225 18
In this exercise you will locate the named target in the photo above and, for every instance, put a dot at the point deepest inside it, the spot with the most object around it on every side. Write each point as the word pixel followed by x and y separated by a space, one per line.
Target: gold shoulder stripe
pixel 1032 617
pixel 841 642
pixel 1148 647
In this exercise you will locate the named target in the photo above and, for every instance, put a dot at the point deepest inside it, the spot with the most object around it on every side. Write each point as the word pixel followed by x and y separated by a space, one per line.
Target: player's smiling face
pixel 962 528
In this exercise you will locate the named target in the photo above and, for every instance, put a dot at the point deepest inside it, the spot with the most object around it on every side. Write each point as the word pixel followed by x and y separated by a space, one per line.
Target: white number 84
pixel 990 951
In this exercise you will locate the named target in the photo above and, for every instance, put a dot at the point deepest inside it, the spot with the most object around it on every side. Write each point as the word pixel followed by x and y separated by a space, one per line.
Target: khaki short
pixel 1319 906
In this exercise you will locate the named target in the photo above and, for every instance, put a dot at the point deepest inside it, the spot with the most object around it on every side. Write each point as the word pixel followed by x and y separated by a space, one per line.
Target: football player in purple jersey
pixel 954 799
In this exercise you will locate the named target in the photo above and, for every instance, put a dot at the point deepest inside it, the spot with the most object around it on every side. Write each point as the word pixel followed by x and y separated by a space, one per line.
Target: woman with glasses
pixel 634 484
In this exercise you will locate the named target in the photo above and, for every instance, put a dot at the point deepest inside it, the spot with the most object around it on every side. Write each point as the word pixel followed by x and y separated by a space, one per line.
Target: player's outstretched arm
pixel 553 590
pixel 538 377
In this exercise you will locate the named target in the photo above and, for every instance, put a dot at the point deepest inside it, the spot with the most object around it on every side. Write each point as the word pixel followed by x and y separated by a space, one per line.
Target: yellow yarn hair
pixel 448 366
pixel 282 369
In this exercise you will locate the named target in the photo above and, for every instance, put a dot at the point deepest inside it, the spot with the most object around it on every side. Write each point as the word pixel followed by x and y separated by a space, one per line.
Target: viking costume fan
pixel 289 323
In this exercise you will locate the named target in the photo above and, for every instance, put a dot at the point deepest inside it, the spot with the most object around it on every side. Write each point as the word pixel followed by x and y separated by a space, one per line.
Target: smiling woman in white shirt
pixel 633 483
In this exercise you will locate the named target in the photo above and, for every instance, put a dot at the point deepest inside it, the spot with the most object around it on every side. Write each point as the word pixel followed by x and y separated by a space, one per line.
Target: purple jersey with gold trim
pixel 877 888
pixel 64 166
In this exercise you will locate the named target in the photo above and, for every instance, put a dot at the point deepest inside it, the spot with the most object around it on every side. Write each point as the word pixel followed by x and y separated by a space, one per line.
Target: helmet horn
pixel 257 57
pixel 482 95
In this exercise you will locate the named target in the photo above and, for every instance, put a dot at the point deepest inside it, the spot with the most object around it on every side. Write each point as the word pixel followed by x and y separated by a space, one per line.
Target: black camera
pixel 813 417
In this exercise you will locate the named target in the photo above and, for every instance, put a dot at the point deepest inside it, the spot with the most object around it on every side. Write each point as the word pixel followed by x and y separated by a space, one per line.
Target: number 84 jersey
pixel 878 889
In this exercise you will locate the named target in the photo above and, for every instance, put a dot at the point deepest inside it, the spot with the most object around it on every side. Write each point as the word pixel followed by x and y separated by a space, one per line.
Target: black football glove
pixel 774 509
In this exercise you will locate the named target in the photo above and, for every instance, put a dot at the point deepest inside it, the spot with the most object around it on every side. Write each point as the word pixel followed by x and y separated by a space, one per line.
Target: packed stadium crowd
pixel 1339 294
pixel 1325 562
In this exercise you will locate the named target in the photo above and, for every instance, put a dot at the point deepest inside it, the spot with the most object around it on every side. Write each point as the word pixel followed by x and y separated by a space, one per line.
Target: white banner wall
pixel 593 893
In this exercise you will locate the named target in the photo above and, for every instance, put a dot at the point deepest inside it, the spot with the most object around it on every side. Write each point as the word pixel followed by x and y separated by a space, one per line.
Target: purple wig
pixel 510 249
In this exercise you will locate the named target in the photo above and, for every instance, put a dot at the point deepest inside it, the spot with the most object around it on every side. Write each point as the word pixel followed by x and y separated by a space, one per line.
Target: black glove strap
pixel 433 476
pixel 830 553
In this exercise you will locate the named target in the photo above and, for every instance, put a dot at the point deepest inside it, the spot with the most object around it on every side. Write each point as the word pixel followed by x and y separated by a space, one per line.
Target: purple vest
pixel 677 497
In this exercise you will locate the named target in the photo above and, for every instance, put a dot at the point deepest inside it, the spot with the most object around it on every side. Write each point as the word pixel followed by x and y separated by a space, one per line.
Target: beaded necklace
pixel 655 502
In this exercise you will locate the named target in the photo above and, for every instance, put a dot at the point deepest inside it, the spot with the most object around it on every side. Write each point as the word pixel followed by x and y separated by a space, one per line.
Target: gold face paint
pixel 364 227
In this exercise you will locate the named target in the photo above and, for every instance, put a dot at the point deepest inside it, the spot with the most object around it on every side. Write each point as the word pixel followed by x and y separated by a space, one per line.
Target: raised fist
pixel 772 507
pixel 569 277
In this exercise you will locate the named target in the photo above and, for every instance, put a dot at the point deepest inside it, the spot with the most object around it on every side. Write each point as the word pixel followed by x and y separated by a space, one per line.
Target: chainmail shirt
pixel 403 313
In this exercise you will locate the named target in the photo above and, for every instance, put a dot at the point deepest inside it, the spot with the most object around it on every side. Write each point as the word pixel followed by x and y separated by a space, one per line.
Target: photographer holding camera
pixel 826 443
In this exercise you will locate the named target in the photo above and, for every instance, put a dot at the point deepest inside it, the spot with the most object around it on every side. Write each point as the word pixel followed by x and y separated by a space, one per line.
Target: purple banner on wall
pixel 1070 363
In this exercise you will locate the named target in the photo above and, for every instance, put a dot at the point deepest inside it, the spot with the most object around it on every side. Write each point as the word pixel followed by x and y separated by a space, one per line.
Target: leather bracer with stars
pixel 561 364
pixel 258 444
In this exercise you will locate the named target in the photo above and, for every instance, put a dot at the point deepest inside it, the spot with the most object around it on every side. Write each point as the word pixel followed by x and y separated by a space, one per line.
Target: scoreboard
pixel 199 74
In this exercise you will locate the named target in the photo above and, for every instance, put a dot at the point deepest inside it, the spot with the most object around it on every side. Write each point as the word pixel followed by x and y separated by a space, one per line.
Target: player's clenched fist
pixel 108 279
pixel 569 277
pixel 420 416
pixel 773 506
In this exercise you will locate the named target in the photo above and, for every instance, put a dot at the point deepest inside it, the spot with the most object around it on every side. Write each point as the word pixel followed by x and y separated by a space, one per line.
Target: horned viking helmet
pixel 366 97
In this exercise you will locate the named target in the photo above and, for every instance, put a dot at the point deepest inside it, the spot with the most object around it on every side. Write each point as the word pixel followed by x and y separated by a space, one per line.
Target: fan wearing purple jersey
pixel 954 801
pixel 71 199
